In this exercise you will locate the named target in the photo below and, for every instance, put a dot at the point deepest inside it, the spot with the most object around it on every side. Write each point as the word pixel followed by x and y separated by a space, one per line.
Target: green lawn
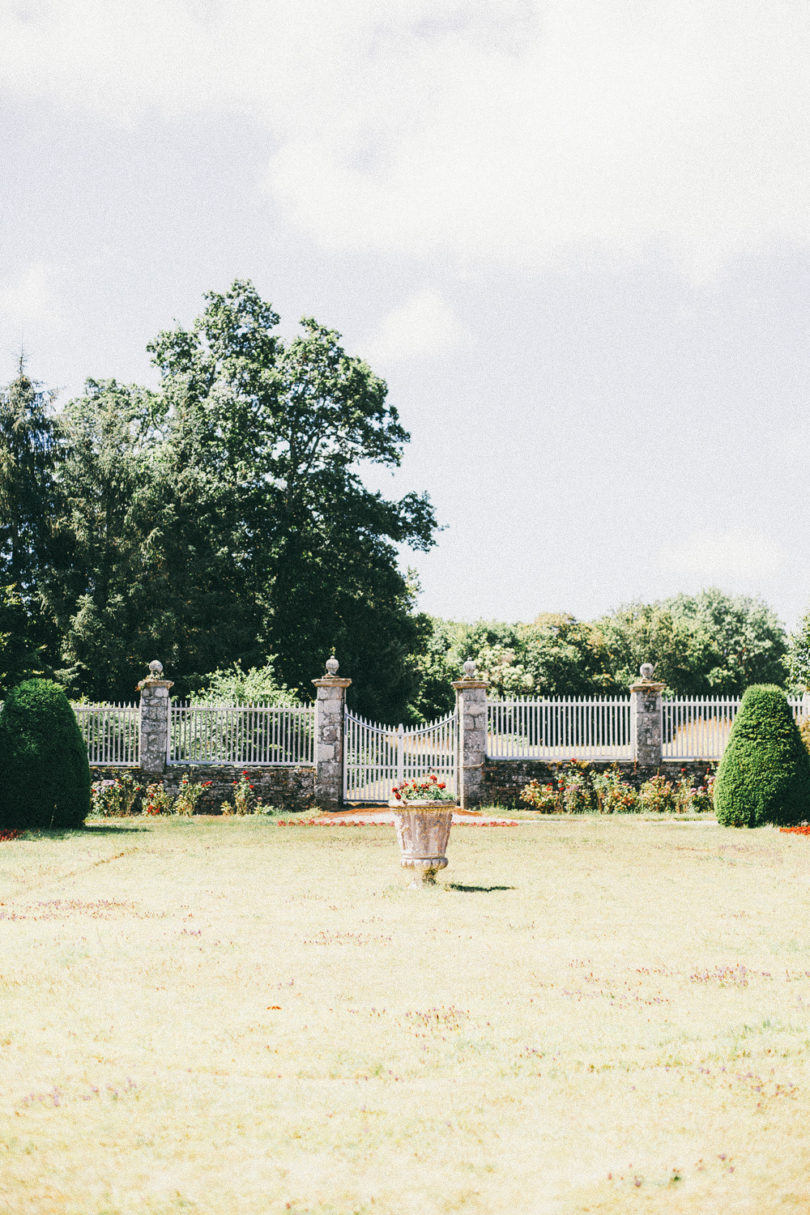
pixel 234 1016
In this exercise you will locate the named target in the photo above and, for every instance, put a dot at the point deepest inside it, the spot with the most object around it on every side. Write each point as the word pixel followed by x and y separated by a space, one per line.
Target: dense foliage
pixel 221 517
pixel 703 644
pixel 44 773
pixel 218 518
pixel 234 686
pixel 764 775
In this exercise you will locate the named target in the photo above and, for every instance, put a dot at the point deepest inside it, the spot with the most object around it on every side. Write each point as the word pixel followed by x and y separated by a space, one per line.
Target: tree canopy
pixel 704 644
pixel 222 516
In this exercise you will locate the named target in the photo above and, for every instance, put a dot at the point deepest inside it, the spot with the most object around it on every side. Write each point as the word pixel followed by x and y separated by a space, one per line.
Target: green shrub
pixel 657 796
pixel 574 784
pixel 116 796
pixel 541 797
pixel 693 798
pixel 764 775
pixel 157 799
pixel 188 795
pixel 44 773
pixel 614 794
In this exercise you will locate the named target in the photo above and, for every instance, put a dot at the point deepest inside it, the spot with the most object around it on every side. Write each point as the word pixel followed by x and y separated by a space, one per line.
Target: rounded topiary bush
pixel 764 775
pixel 44 773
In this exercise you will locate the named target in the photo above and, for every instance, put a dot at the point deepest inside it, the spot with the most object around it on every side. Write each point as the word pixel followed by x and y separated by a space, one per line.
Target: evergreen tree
pixel 27 535
pixel 764 775
pixel 43 759
pixel 105 592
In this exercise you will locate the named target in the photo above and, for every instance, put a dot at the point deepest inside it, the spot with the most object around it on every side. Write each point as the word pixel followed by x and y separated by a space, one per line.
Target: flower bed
pixel 579 788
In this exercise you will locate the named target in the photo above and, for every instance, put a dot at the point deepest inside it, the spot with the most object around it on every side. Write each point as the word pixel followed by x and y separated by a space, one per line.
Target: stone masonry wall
pixel 291 789
pixel 504 778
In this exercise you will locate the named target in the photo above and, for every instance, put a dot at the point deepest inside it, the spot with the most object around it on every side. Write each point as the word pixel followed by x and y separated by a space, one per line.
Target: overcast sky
pixel 573 235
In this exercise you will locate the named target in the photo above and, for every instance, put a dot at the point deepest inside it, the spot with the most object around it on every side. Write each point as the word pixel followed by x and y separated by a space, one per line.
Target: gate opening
pixel 377 757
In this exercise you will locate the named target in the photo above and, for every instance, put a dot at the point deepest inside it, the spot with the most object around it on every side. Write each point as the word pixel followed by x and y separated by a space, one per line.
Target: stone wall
pixel 292 789
pixel 504 778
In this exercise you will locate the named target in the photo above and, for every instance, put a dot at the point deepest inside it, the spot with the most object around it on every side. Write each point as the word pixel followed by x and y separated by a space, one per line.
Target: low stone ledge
pixel 291 789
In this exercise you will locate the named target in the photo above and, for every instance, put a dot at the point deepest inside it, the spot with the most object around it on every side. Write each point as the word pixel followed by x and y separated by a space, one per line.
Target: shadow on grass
pixel 63 833
pixel 475 889
pixel 97 829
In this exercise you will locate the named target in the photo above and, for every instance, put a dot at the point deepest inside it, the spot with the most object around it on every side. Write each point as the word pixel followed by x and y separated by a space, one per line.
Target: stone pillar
pixel 329 726
pixel 646 718
pixel 154 744
pixel 471 707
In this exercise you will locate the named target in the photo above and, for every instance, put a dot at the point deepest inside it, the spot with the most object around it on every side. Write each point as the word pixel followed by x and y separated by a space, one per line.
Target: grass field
pixel 236 1017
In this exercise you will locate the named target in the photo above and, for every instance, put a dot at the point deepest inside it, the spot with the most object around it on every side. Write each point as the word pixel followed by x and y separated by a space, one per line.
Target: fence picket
pixel 566 727
pixel 251 735
pixel 592 727
pixel 111 733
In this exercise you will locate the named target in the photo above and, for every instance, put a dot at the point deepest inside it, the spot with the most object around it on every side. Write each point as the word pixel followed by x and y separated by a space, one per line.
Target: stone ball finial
pixel 646 670
pixel 469 669
pixel 155 669
pixel 332 665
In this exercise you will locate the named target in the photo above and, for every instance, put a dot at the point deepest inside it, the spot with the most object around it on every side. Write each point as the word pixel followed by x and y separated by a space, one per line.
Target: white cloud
pixel 425 325
pixel 508 133
pixel 737 553
pixel 29 299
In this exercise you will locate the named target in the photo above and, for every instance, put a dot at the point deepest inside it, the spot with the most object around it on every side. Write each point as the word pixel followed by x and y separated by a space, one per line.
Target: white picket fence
pixel 593 727
pixel 585 727
pixel 566 727
pixel 697 727
pixel 111 732
pixel 254 735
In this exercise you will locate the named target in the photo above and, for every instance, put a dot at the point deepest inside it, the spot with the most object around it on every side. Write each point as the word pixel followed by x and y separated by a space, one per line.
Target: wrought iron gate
pixel 377 757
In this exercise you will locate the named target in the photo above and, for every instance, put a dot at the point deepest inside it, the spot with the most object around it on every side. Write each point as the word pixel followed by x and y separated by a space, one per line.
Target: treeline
pixel 220 523
pixel 703 644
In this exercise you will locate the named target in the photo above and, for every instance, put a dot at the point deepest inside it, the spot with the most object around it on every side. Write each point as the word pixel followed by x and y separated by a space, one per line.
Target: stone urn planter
pixel 423 829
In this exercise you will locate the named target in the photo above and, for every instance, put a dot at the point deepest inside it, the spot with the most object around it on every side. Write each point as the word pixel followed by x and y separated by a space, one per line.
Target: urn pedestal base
pixel 423 829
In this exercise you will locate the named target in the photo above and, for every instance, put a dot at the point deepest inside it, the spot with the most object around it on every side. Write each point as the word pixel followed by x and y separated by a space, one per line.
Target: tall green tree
pixel 650 632
pixel 27 524
pixel 265 443
pixel 108 591
pixel 223 517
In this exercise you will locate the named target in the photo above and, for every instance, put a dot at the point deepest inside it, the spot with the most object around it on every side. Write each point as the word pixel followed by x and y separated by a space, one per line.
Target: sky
pixel 572 235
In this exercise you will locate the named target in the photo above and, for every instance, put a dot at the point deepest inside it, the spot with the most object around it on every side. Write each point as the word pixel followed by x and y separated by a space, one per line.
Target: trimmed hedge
pixel 764 775
pixel 44 773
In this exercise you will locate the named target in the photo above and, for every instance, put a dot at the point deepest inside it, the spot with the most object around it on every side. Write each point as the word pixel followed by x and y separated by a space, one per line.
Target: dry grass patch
pixel 227 1017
